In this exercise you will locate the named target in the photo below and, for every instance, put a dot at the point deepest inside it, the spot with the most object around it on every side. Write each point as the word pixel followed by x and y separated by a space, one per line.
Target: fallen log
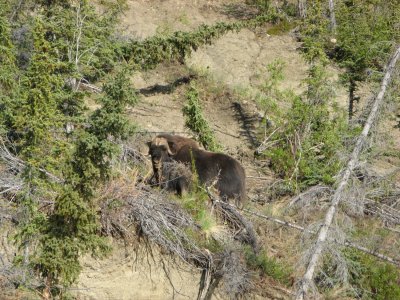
pixel 307 278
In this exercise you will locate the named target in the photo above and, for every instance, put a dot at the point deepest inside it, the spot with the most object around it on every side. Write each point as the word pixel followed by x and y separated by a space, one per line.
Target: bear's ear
pixel 172 148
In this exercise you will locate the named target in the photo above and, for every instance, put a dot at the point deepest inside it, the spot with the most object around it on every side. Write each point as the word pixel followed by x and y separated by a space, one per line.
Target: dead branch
pixel 313 192
pixel 16 165
pixel 12 162
pixel 205 280
pixel 136 208
pixel 273 219
pixel 92 87
pixel 232 216
pixel 345 243
pixel 10 182
pixel 382 198
pixel 132 156
pixel 392 229
pixel 372 197
pixel 302 8
pixel 373 253
pixel 16 10
pixel 386 213
pixel 307 278
pixel 259 178
pixel 164 223
pixel 266 143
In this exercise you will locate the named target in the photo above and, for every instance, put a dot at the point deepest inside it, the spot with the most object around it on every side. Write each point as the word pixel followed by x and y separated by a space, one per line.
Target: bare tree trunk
pixel 306 281
pixel 352 97
pixel 302 8
pixel 373 253
pixel 332 16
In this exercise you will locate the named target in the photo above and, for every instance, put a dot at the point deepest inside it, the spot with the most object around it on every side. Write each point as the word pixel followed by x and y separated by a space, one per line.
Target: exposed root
pixel 147 213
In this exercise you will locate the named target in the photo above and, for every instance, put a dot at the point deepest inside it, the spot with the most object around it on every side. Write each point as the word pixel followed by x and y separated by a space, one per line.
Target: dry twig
pixel 307 278
pixel 344 243
pixel 165 224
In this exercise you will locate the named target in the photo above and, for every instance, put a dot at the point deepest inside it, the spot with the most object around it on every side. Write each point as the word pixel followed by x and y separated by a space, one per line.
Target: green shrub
pixel 202 240
pixel 196 122
pixel 365 36
pixel 281 27
pixel 147 54
pixel 368 277
pixel 310 135
pixel 372 279
pixel 269 266
pixel 194 203
pixel 305 150
pixel 262 5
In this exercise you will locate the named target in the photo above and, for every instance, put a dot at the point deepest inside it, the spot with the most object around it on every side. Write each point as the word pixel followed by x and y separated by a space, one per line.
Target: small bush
pixel 270 91
pixel 196 122
pixel 269 266
pixel 373 279
pixel 196 204
pixel 281 27
pixel 305 150
pixel 311 133
pixel 262 5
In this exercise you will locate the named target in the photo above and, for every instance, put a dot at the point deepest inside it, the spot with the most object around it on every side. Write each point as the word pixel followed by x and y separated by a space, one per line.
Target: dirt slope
pixel 124 276
pixel 237 61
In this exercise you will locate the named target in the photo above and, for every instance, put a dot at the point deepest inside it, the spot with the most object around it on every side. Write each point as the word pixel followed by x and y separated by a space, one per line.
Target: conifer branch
pixel 18 164
pixel 147 54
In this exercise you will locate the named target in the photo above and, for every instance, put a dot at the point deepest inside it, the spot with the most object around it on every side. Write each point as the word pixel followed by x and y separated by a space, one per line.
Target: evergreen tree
pixel 39 137
pixel 367 31
pixel 305 149
pixel 365 35
pixel 96 145
pixel 38 122
pixel 8 76
pixel 71 228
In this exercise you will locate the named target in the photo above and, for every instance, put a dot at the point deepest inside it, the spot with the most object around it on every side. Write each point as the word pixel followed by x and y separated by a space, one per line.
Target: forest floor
pixel 229 72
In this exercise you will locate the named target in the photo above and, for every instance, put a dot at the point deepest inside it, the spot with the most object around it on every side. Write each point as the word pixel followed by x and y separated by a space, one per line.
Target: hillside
pixel 262 96
pixel 235 63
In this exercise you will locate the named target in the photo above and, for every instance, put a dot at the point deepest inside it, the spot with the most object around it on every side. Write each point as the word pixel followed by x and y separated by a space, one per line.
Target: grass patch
pixel 282 27
pixel 269 266
pixel 372 279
